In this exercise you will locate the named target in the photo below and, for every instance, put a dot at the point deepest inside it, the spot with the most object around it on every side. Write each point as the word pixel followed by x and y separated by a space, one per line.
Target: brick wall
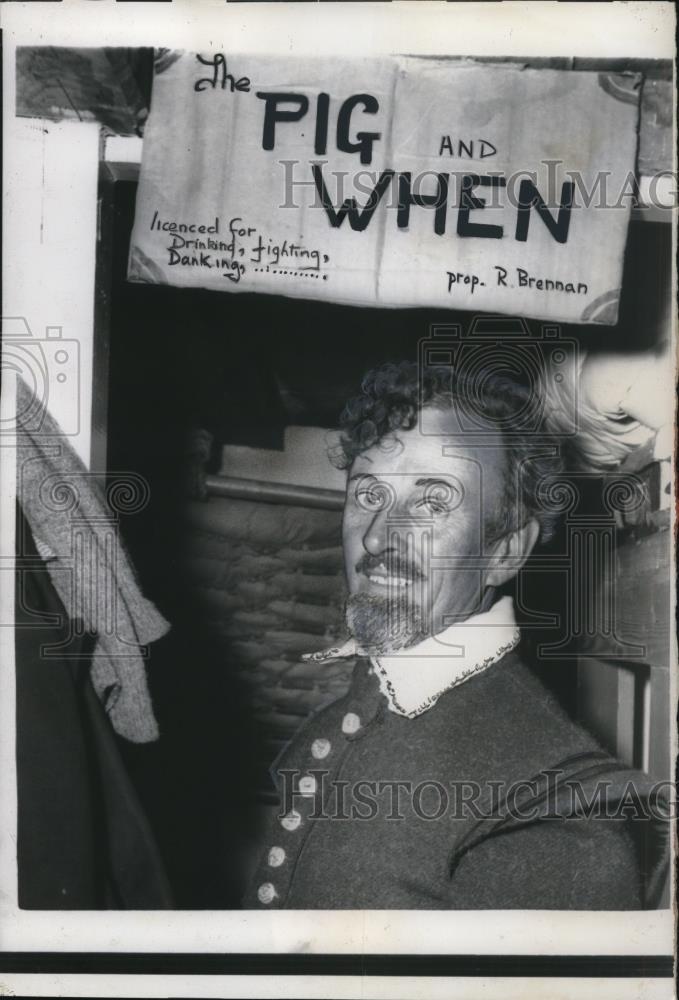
pixel 268 580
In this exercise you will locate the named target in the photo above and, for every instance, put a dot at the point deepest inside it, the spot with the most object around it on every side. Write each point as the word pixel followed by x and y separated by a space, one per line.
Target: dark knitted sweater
pixel 352 841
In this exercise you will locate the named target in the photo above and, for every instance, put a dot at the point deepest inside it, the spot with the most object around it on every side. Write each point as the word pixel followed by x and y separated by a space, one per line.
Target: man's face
pixel 413 531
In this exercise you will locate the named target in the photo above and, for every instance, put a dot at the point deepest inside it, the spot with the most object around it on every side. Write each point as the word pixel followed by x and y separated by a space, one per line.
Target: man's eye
pixel 373 495
pixel 370 499
pixel 440 499
pixel 433 506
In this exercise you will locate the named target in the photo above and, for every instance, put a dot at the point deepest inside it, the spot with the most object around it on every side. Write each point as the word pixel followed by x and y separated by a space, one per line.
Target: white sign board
pixel 389 182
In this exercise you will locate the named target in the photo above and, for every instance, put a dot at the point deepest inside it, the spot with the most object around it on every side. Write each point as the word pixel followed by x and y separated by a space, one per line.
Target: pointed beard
pixel 383 625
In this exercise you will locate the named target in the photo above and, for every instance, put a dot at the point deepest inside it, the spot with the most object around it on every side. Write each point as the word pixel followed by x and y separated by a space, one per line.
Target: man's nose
pixel 401 537
pixel 376 538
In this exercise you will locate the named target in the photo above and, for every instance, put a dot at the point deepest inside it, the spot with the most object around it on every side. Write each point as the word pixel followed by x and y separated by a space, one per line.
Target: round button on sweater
pixel 351 723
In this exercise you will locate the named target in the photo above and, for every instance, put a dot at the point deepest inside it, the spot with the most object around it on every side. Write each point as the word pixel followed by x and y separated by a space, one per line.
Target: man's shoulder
pixel 570 863
pixel 510 709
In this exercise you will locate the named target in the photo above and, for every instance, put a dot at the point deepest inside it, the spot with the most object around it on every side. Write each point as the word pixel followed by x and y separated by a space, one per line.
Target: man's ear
pixel 510 554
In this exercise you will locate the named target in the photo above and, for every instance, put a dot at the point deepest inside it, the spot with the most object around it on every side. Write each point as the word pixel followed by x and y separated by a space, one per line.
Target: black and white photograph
pixel 338 409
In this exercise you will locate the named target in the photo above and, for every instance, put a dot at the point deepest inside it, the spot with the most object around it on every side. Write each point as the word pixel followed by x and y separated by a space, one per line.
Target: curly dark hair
pixel 393 395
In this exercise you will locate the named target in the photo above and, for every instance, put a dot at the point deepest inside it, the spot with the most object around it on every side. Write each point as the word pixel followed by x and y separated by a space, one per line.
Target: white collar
pixel 414 679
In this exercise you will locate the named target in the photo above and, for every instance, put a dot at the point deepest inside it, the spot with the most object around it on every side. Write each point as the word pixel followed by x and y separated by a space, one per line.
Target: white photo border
pixel 634 30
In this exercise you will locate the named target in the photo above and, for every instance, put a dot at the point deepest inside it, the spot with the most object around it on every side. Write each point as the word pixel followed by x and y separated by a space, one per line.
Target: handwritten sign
pixel 389 182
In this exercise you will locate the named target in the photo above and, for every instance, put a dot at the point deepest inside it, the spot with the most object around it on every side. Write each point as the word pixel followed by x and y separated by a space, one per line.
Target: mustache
pixel 393 562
